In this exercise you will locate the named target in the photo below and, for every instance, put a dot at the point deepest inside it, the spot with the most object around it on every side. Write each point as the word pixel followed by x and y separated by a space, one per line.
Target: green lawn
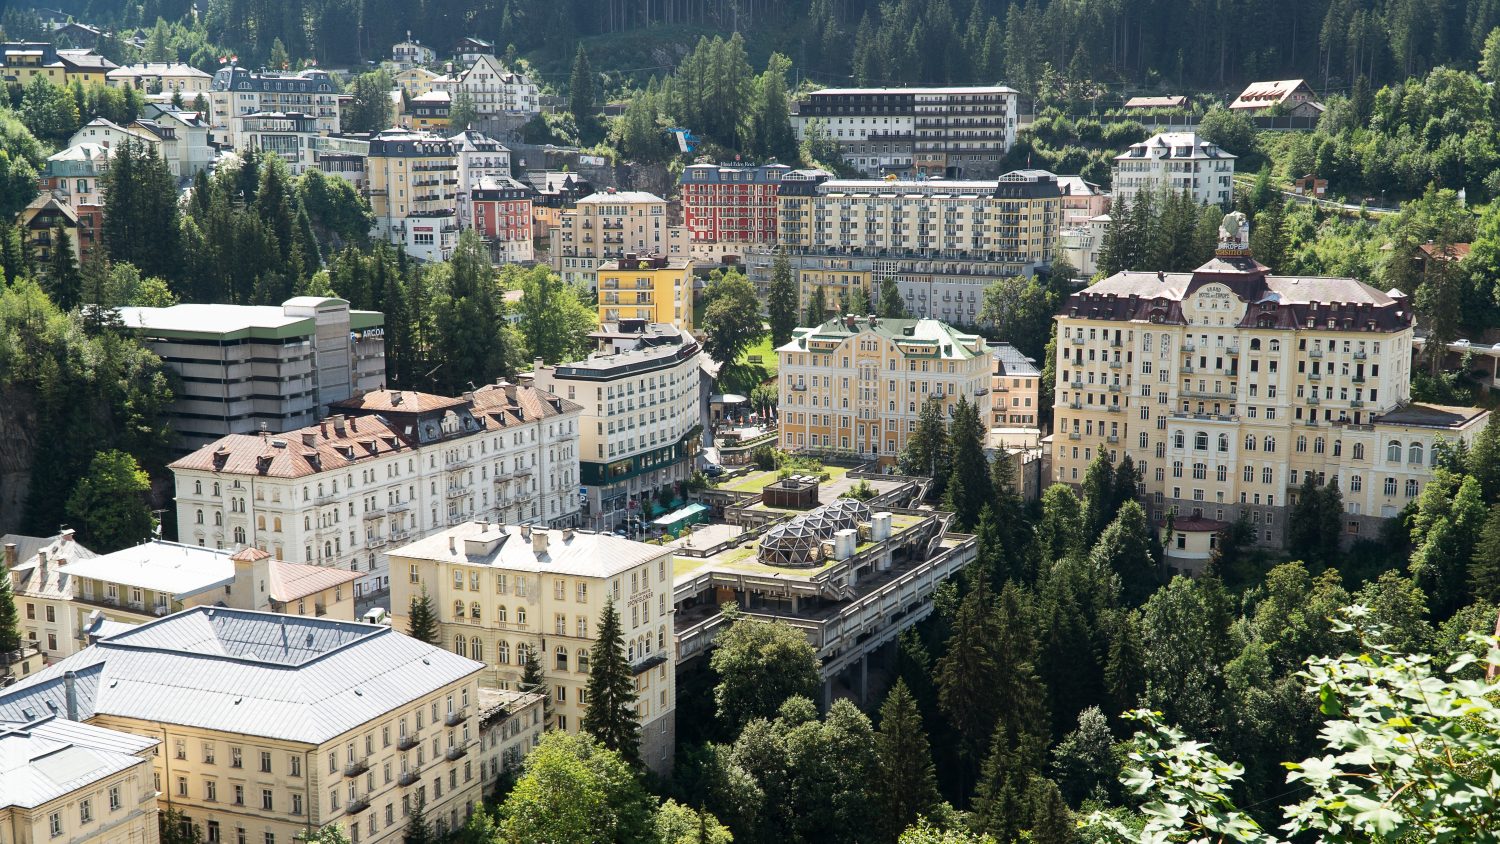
pixel 754 366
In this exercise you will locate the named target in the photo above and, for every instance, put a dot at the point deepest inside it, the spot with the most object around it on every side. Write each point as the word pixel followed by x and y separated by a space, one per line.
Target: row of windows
pixel 85 812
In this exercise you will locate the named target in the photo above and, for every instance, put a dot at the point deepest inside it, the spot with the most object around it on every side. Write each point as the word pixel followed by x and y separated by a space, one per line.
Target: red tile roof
pixel 335 443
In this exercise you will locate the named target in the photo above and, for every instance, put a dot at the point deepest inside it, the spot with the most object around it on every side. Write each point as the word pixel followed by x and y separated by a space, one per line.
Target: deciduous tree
pixel 760 664
pixel 109 504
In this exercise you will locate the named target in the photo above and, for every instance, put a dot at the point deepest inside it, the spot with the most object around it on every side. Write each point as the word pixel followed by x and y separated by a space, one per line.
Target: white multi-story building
pixel 501 591
pixel 239 90
pixel 164 77
pixel 288 135
pixel 391 466
pixel 410 53
pixel 642 415
pixel 1229 387
pixel 479 157
pixel 1178 162
pixel 857 385
pixel 608 224
pixel 247 368
pixel 495 91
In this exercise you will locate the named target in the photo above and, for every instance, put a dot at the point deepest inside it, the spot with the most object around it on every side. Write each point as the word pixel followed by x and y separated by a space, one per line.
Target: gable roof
pixel 1266 94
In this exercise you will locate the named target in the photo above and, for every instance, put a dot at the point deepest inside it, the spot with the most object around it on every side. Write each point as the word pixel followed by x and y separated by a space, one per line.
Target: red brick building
pixel 501 209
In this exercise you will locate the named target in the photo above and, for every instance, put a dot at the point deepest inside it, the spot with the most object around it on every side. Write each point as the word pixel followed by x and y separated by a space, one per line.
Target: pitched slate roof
pixel 324 447
pixel 49 581
pixel 275 676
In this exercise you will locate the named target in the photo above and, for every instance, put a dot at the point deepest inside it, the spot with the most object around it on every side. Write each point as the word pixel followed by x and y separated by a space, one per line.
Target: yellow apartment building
pixel 66 781
pixel 501 591
pixel 270 725
pixel 413 178
pixel 1229 386
pixel 857 384
pixel 655 289
pixel 1016 383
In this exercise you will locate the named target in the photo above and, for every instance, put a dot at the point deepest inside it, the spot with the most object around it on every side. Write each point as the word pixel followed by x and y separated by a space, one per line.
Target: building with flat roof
pixel 387 467
pixel 654 289
pixel 1230 386
pixel 75 782
pixel 941 241
pixel 856 385
pixel 239 90
pixel 1180 162
pixel 503 591
pixel 511 722
pixel 273 724
pixel 953 132
pixel 246 368
pixel 43 592
pixel 286 134
pixel 642 417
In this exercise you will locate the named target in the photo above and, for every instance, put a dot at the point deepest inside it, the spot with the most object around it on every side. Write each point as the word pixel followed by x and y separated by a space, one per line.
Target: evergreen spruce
pixel 421 620
pixel 1098 497
pixel 781 299
pixel 969 672
pixel 417 831
pixel 891 306
pixel 10 619
pixel 969 485
pixel 64 281
pixel 907 783
pixel 1484 569
pixel 610 716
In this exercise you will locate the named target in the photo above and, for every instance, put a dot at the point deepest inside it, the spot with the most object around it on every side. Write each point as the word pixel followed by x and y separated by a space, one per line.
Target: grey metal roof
pixel 261 674
pixel 505 547
pixel 46 758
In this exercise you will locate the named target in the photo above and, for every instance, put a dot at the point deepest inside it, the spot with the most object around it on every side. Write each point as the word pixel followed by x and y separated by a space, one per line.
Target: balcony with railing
pixel 358 804
pixel 456 717
pixel 457 751
pixel 357 767
pixel 409 776
pixel 407 741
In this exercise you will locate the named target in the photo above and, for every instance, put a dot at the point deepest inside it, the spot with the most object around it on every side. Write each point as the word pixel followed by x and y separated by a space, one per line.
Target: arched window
pixel 1221 474
pixel 1249 442
pixel 1270 443
pixel 200 517
pixel 500 613
pixel 583 660
pixel 216 489
pixel 218 519
pixel 461 646
pixel 239 535
pixel 1223 442
pixel 561 656
pixel 1200 471
pixel 197 487
pixel 1178 440
pixel 474 611
pixel 260 522
pixel 1318 446
pixel 1393 451
pixel 1414 454
pixel 1359 451
pixel 1176 468
pixel 502 652
pixel 328 549
pixel 1255 344
pixel 1200 441
pixel 307 523
pixel 476 649
pixel 521 616
pixel 276 523
pixel 458 609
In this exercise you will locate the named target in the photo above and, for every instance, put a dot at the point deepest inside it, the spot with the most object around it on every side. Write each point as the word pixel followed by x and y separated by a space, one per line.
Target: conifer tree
pixel 581 89
pixel 781 299
pixel 417 831
pixel 926 452
pixel 610 716
pixel 1484 569
pixel 421 620
pixel 907 784
pixel 10 630
pixel 64 281
pixel 1125 548
pixel 1098 497
pixel 969 485
pixel 968 672
pixel 891 306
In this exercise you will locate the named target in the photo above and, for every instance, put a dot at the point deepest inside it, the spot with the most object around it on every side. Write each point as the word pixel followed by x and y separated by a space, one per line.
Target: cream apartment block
pixel 1016 384
pixel 244 368
pixel 642 413
pixel 43 592
pixel 66 781
pixel 478 157
pixel 495 91
pixel 1229 386
pixel 607 225
pixel 1180 162
pixel 238 90
pixel 941 241
pixel 511 722
pixel 388 467
pixel 413 189
pixel 501 591
pixel 271 724
pixel 856 385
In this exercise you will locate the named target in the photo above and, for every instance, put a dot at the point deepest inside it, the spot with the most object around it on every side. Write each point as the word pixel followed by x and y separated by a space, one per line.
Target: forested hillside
pixel 1198 45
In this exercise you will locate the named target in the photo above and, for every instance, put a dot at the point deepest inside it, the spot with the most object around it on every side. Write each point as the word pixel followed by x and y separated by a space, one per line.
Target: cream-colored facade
pixel 502 591
pixel 608 225
pixel 43 592
pixel 857 385
pixel 347 724
pixel 72 782
pixel 511 722
pixel 1229 386
pixel 1016 388
pixel 413 178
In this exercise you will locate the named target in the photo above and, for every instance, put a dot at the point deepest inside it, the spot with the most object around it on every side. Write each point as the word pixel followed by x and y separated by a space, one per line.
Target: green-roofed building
pixel 856 384
pixel 246 368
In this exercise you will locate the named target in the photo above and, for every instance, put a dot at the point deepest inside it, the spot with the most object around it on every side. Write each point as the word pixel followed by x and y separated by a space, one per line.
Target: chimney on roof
pixel 539 541
pixel 354 423
pixel 395 397
pixel 452 544
pixel 537 364
pixel 41 558
pixel 309 439
pixel 1161 276
pixel 10 555
pixel 70 692
pixel 338 424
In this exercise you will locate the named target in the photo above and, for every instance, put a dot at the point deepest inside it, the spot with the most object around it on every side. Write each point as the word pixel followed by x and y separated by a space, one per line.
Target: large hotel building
pixel 1228 386
pixel 941 241
pixel 857 384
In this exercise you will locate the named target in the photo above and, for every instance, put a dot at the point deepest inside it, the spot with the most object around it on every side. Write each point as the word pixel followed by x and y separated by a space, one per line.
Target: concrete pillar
pixel 827 694
pixel 864 679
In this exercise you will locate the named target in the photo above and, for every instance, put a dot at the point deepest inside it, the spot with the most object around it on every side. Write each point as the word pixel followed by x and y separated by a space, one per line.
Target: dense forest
pixel 1197 45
